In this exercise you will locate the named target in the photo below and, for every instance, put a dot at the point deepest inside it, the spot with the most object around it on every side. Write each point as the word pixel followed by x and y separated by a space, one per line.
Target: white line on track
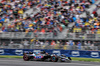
pixel 71 63
pixel 80 64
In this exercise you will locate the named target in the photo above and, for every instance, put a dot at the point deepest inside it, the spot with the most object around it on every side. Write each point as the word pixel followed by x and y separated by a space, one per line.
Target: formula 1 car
pixel 42 56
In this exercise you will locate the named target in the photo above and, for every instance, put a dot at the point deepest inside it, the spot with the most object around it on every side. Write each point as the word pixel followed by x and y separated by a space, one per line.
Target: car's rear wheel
pixel 54 59
pixel 25 57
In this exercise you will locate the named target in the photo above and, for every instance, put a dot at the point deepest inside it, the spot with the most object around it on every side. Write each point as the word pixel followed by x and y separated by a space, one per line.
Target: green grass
pixel 86 59
pixel 73 58
pixel 7 56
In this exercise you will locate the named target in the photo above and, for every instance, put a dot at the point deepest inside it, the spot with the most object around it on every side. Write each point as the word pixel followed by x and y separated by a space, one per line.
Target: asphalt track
pixel 20 62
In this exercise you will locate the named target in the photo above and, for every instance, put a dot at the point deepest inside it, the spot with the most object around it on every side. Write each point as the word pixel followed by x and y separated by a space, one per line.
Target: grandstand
pixel 53 24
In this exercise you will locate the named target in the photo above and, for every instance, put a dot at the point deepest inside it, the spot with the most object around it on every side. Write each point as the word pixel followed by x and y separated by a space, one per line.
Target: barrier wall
pixel 69 53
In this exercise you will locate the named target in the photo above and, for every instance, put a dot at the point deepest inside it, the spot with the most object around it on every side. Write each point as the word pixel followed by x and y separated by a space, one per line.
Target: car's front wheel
pixel 54 58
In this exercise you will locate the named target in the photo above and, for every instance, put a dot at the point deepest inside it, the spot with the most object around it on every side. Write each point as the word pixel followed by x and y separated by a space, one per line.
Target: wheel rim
pixel 25 57
pixel 53 58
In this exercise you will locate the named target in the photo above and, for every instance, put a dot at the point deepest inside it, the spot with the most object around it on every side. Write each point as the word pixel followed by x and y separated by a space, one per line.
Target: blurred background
pixel 50 24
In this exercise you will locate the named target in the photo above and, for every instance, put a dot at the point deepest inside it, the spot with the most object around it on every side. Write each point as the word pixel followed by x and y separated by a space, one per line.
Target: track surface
pixel 20 62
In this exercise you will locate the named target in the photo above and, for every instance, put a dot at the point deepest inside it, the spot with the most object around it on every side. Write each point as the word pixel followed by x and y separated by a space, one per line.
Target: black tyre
pixel 54 59
pixel 25 57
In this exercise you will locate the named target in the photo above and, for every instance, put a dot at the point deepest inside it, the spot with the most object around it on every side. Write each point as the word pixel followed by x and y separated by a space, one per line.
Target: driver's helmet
pixel 43 52
pixel 30 52
pixel 62 55
pixel 37 53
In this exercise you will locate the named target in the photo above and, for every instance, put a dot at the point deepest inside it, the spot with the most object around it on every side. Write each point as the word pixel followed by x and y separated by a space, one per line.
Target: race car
pixel 42 56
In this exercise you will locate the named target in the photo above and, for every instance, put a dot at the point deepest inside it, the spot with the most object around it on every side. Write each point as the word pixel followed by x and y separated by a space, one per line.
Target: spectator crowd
pixel 54 15
pixel 13 10
pixel 89 24
pixel 53 44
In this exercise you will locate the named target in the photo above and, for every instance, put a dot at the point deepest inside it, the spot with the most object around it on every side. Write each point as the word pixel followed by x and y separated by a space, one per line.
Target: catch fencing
pixel 62 47
pixel 50 35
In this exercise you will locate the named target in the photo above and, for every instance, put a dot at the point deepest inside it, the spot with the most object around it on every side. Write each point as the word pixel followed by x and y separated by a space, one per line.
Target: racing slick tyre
pixel 54 59
pixel 25 57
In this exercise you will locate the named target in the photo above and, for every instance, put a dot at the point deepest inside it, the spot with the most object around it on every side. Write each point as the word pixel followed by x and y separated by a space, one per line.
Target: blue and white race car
pixel 42 56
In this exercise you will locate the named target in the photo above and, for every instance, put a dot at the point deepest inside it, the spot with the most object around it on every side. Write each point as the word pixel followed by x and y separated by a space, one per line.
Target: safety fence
pixel 62 47
pixel 68 53
pixel 20 35
pixel 50 35
pixel 82 36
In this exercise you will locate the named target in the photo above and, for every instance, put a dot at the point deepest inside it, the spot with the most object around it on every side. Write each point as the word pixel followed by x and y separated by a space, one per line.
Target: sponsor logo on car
pixel 37 57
